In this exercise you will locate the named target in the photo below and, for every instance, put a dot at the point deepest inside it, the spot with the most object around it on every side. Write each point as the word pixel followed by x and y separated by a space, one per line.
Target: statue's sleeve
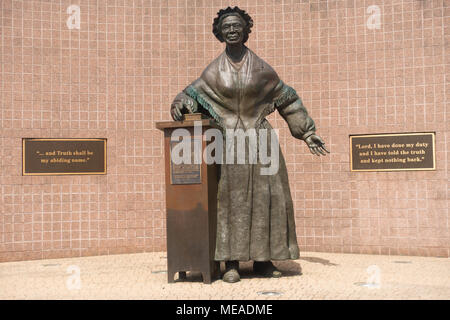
pixel 291 108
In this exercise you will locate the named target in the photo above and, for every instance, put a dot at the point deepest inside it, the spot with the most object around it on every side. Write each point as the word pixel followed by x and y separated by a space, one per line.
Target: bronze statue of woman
pixel 255 214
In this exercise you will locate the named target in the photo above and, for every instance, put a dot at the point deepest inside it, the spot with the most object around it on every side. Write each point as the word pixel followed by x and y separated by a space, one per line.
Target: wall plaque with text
pixel 393 152
pixel 63 156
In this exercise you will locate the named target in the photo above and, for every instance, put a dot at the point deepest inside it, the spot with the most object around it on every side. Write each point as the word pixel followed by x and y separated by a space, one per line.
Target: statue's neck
pixel 236 53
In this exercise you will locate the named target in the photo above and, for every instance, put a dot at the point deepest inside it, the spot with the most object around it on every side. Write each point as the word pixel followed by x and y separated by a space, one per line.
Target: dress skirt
pixel 255 214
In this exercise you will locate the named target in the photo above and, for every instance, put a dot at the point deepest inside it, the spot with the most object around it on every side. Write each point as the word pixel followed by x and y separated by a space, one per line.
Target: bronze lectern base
pixel 191 204
pixel 208 276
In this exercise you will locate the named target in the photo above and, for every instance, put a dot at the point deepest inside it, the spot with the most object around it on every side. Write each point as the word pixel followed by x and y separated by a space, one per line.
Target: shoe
pixel 231 274
pixel 266 269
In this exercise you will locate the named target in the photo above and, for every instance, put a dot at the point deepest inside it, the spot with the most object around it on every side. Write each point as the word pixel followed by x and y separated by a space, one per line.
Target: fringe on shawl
pixel 193 93
pixel 288 94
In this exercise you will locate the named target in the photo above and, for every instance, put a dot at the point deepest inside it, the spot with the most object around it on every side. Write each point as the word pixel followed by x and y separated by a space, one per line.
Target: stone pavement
pixel 315 275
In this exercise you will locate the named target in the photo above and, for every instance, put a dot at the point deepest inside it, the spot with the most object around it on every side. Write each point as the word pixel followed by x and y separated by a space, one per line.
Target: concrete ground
pixel 314 276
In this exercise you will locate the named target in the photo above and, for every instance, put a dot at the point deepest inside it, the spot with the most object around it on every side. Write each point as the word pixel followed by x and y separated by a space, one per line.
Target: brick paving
pixel 316 275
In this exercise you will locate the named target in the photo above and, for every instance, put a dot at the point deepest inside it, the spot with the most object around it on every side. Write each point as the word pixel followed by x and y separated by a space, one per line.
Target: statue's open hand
pixel 182 104
pixel 316 145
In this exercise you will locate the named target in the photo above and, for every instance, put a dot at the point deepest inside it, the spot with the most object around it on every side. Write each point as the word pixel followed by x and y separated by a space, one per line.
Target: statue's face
pixel 232 29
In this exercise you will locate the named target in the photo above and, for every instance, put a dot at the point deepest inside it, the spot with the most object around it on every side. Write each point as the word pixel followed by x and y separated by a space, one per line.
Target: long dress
pixel 255 214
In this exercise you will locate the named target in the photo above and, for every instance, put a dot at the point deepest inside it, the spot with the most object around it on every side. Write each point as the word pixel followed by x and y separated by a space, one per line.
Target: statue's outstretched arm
pixel 302 125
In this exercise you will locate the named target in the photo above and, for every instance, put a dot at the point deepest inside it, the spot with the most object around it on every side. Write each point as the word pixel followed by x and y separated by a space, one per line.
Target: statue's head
pixel 232 25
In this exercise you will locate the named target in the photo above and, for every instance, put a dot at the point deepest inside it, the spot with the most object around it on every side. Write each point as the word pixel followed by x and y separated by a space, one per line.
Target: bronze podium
pixel 191 205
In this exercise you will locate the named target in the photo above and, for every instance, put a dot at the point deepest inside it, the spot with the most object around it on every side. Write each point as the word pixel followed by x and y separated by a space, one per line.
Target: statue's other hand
pixel 316 145
pixel 182 104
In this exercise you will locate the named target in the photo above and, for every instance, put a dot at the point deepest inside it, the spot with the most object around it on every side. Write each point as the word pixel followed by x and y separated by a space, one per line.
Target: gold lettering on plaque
pixel 393 152
pixel 63 156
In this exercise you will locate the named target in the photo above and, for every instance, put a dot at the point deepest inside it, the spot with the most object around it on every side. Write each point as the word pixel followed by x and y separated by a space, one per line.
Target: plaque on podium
pixel 191 203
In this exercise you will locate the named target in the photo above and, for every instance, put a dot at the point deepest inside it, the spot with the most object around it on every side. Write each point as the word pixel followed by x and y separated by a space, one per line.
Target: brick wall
pixel 116 75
